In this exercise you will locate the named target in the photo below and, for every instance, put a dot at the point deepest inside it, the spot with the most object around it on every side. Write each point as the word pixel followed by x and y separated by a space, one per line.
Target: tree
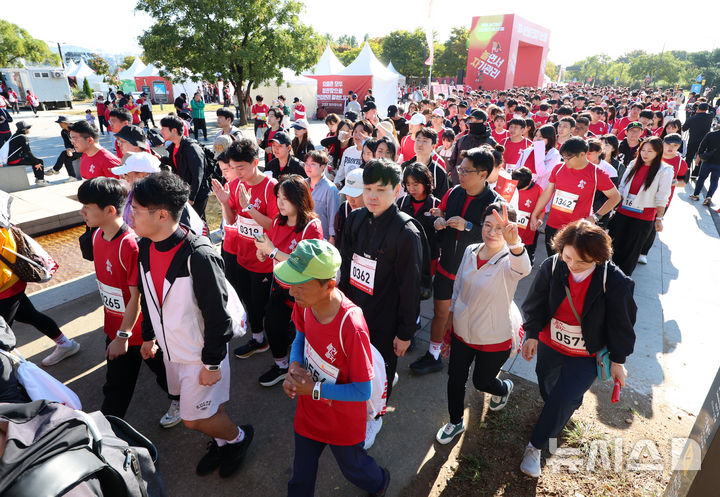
pixel 245 42
pixel 86 88
pixel 17 44
pixel 98 64
pixel 453 56
pixel 406 50
pixel 127 62
pixel 551 70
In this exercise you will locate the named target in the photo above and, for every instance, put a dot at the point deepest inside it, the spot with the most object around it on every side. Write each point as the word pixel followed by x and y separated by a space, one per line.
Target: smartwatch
pixel 316 391
pixel 212 368
pixel 468 225
pixel 124 334
pixel 273 253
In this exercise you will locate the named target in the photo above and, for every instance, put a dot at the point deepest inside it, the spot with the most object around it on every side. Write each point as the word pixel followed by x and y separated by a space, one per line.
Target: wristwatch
pixel 468 225
pixel 596 217
pixel 213 367
pixel 316 391
pixel 659 218
pixel 124 334
pixel 273 253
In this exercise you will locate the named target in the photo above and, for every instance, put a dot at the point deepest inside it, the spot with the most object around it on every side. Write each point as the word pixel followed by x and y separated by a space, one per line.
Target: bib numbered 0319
pixel 565 201
pixel 112 298
pixel 567 337
pixel 362 273
pixel 628 202
pixel 523 219
pixel 248 228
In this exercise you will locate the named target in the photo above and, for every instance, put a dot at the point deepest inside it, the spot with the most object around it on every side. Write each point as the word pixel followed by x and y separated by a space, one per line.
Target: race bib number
pixel 628 202
pixel 362 273
pixel 247 228
pixel 112 298
pixel 523 219
pixel 567 337
pixel 565 201
pixel 319 369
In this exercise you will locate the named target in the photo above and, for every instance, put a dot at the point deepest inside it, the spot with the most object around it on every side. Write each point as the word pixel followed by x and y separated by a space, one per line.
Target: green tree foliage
pixel 99 65
pixel 127 62
pixel 245 42
pixel 453 56
pixel 86 88
pixel 406 50
pixel 17 45
pixel 551 70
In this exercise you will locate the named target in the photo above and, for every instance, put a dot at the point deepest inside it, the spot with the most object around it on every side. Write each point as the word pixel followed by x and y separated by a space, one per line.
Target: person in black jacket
pixel 5 120
pixel 68 155
pixel 382 254
pixel 698 125
pixel 579 304
pixel 479 134
pixel 284 163
pixel 20 154
pixel 186 159
pixel 709 152
pixel 419 201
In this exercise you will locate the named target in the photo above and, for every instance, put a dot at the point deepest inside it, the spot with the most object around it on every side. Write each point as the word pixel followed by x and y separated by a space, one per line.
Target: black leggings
pixel 254 290
pixel 278 325
pixel 628 235
pixel 487 367
pixel 19 307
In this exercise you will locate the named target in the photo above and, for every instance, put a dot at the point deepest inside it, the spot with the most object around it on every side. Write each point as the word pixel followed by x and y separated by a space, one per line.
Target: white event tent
pixel 401 78
pixel 328 64
pixel 293 85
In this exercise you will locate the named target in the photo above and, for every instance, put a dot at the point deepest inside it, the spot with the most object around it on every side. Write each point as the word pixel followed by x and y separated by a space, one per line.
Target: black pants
pixel 4 137
pixel 549 234
pixel 531 248
pixel 200 203
pixel 278 325
pixel 15 107
pixel 628 237
pixel 487 367
pixel 121 377
pixel 31 160
pixel 102 124
pixel 650 239
pixel 19 307
pixel 66 160
pixel 692 149
pixel 254 291
pixel 231 269
pixel 199 124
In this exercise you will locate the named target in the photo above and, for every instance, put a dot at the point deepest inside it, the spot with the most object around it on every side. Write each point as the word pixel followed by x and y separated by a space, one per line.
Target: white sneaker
pixel 172 416
pixel 41 182
pixel 531 462
pixel 395 379
pixel 60 353
pixel 446 434
pixel 642 259
pixel 372 428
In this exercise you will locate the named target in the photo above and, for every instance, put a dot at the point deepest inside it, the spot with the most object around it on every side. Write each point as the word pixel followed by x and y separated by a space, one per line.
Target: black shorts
pixel 442 287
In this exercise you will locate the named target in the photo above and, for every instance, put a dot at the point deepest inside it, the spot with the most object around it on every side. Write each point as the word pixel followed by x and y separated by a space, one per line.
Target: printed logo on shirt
pixel 293 244
pixel 582 184
pixel 528 203
pixel 108 266
pixel 92 169
pixel 331 352
pixel 257 203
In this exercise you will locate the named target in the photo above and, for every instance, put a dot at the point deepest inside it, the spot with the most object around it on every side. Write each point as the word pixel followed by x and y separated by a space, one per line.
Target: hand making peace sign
pixel 510 229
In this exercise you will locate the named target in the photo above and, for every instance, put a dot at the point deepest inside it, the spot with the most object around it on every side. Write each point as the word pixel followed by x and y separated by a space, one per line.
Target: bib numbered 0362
pixel 247 227
pixel 628 202
pixel 567 337
pixel 362 273
pixel 523 219
pixel 565 201
pixel 112 298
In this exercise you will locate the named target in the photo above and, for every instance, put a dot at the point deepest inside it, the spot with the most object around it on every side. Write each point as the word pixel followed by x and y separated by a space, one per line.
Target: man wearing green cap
pixel 330 372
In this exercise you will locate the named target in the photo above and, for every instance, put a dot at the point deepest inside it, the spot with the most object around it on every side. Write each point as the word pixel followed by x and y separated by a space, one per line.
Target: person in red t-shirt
pixel 134 109
pixel 117 119
pixel 331 372
pixel 597 126
pixel 96 161
pixel 515 143
pixel 499 133
pixel 115 253
pixel 258 112
pixel 528 194
pixel 634 115
pixel 296 221
pixel 572 189
pixel 250 206
pixel 101 108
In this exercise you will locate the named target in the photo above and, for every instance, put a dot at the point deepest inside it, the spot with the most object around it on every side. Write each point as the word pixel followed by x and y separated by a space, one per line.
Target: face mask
pixel 477 128
pixel 518 116
pixel 168 143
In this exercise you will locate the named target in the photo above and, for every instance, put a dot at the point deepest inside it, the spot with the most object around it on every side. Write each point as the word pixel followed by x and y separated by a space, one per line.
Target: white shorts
pixel 197 401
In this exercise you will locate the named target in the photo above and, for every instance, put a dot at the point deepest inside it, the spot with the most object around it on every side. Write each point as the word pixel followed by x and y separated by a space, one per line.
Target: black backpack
pixel 86 454
pixel 212 168
pixel 426 285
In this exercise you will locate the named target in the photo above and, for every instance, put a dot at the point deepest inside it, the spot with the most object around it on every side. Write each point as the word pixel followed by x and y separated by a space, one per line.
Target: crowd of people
pixel 330 249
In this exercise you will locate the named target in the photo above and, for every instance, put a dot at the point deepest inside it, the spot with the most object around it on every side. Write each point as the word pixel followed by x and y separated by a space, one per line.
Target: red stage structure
pixel 506 51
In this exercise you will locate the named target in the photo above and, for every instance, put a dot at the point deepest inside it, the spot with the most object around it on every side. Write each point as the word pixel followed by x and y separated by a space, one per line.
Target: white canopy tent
pixel 328 64
pixel 136 67
pixel 293 85
pixel 149 71
pixel 401 78
pixel 70 67
pixel 384 81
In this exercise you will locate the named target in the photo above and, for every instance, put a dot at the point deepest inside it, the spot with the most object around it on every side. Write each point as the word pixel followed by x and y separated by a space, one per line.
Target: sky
pixel 612 26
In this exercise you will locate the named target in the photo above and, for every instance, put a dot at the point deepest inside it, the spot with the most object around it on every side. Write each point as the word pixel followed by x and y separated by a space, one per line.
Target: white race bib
pixel 247 228
pixel 567 337
pixel 362 273
pixel 628 202
pixel 319 369
pixel 112 298
pixel 565 201
pixel 523 219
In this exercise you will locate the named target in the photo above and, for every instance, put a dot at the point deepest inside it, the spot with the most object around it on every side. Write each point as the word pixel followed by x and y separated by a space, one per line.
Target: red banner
pixel 333 90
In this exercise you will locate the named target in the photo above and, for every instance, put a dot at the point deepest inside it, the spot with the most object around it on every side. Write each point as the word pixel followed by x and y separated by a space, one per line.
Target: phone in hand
pixel 260 237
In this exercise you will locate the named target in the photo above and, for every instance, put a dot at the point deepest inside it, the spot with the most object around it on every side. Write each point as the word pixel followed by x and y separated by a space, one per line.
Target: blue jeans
pixel 354 462
pixel 712 170
pixel 563 380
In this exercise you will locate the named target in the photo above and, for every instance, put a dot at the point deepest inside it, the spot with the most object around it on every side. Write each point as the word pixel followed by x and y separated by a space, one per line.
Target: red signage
pixel 333 90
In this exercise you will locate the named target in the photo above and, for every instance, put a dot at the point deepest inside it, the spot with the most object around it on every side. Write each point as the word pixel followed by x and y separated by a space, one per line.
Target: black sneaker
pixel 427 364
pixel 275 375
pixel 250 348
pixel 210 461
pixel 232 455
pixel 382 492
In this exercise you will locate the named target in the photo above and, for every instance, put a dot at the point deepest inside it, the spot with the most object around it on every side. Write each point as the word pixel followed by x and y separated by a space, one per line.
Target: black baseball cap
pixel 392 110
pixel 62 119
pixel 673 138
pixel 281 138
pixel 352 116
pixel 463 103
pixel 369 106
pixel 479 115
pixel 633 125
pixel 132 134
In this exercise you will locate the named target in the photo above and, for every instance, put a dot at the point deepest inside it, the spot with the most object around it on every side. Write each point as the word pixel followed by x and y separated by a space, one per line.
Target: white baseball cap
pixel 353 183
pixel 438 112
pixel 418 118
pixel 139 162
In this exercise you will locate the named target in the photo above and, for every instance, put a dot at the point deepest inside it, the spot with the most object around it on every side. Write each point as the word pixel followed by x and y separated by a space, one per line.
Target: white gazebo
pixel 384 81
pixel 328 64
pixel 401 78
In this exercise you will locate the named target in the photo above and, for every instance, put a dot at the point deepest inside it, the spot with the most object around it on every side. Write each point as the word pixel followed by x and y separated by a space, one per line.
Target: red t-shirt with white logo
pixel 622 123
pixel 231 234
pixel 527 199
pixel 332 360
pixel 299 112
pixel 511 155
pixel 499 137
pixel 262 196
pixel 599 128
pixel 260 112
pixel 98 165
pixel 574 193
pixel 116 270
pixel 285 238
pixel 680 167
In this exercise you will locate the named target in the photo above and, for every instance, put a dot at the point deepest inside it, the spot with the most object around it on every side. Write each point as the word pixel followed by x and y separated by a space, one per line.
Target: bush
pixel 86 88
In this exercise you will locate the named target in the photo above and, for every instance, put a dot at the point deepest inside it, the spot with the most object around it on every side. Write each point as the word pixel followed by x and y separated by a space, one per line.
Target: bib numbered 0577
pixel 362 273
pixel 112 298
pixel 565 201
pixel 567 337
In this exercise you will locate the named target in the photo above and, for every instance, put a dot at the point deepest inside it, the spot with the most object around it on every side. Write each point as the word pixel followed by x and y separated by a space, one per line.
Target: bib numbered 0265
pixel 523 219
pixel 628 202
pixel 567 337
pixel 247 228
pixel 112 298
pixel 362 273
pixel 565 201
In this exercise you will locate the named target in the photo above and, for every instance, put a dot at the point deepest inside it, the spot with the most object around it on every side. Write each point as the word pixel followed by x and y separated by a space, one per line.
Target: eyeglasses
pixel 140 209
pixel 463 172
pixel 498 230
